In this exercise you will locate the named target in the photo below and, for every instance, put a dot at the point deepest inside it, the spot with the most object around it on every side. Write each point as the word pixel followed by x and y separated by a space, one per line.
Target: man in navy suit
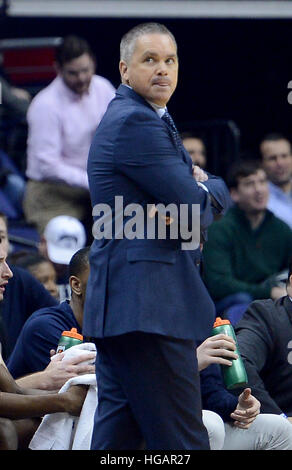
pixel 146 304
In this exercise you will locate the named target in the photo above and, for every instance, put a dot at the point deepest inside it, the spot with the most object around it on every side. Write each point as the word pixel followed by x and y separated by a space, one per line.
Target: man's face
pixel 4 235
pixel 252 192
pixel 46 274
pixel 77 73
pixel 5 272
pixel 277 160
pixel 196 149
pixel 153 68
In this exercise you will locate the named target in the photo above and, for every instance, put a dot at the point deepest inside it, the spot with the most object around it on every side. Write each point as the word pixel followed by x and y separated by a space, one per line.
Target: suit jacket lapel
pixel 125 91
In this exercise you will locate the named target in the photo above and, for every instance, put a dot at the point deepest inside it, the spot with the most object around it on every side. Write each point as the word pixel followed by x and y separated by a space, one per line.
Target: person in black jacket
pixel 235 423
pixel 264 336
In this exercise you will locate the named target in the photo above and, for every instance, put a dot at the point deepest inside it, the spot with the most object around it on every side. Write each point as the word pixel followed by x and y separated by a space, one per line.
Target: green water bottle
pixel 234 376
pixel 68 339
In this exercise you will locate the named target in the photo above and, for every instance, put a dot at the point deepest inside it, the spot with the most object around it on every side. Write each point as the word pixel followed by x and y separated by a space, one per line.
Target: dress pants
pixel 148 394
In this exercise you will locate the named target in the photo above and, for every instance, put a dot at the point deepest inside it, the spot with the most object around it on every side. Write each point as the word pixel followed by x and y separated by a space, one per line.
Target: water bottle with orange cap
pixel 68 339
pixel 234 376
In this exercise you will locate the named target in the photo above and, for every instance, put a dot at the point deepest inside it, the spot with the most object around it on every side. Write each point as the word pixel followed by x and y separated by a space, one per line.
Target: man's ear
pixel 234 194
pixel 75 285
pixel 123 67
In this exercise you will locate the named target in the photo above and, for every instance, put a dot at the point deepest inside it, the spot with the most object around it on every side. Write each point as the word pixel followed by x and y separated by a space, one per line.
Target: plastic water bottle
pixel 68 339
pixel 234 376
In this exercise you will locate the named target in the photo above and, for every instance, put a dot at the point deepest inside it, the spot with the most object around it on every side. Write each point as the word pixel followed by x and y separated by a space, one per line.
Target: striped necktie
pixel 173 130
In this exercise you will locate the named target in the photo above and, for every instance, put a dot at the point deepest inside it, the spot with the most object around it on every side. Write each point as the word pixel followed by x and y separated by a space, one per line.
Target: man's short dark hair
pixel 79 262
pixel 28 260
pixel 242 169
pixel 71 48
pixel 129 39
pixel 274 137
pixel 191 135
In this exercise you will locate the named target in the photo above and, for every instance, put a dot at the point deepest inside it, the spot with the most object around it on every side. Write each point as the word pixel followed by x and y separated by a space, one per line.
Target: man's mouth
pixel 162 83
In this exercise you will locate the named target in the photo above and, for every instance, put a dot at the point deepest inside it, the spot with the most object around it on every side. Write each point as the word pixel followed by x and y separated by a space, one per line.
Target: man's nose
pixel 162 68
pixel 82 76
pixel 260 187
pixel 7 273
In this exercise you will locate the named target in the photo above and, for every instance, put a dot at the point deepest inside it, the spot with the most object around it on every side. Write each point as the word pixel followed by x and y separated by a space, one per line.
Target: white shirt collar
pixel 159 109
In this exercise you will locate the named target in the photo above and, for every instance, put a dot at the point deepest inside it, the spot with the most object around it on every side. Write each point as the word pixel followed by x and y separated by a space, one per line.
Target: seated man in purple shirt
pixel 62 119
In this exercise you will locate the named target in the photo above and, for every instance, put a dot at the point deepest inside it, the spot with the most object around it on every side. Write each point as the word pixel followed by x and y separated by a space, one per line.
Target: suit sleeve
pixel 220 196
pixel 152 162
pixel 255 342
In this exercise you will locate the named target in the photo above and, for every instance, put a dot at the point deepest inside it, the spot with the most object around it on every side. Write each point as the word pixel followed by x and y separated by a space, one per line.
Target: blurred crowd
pixel 46 232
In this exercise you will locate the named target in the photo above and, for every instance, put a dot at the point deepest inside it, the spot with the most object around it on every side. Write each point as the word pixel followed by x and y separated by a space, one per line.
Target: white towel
pixel 78 350
pixel 61 431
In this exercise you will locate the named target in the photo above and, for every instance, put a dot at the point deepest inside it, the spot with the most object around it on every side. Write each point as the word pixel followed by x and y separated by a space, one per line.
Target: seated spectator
pixel 276 156
pixel 26 404
pixel 63 236
pixel 264 338
pixel 57 372
pixel 197 151
pixel 62 120
pixel 42 269
pixel 242 426
pixel 248 247
pixel 43 329
pixel 15 101
pixel 196 148
pixel 12 187
pixel 23 296
pixel 13 128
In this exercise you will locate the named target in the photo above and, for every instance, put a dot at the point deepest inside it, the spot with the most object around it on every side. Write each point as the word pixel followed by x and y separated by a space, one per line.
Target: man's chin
pixel 161 99
pixel 259 209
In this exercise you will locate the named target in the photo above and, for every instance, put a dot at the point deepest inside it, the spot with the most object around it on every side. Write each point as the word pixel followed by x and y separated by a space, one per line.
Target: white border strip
pixel 152 9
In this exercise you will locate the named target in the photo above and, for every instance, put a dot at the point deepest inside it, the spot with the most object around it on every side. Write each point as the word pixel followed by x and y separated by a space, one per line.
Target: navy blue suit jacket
pixel 148 285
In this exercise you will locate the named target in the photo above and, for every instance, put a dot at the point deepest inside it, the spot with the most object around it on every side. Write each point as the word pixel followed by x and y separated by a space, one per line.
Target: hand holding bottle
pixel 217 349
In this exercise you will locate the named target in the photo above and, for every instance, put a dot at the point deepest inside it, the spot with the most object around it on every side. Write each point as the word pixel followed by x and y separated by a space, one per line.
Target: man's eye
pixel 170 61
pixel 149 59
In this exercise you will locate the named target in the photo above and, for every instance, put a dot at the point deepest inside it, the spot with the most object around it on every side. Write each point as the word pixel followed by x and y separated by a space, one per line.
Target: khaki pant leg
pixel 44 200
